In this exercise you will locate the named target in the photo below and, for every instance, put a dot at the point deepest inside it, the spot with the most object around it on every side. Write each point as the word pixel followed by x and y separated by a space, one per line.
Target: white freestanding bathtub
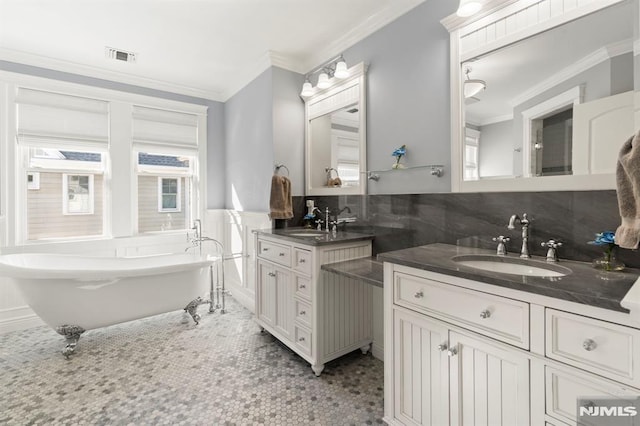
pixel 73 294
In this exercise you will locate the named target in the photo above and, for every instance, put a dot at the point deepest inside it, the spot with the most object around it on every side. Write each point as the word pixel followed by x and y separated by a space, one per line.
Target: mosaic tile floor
pixel 158 371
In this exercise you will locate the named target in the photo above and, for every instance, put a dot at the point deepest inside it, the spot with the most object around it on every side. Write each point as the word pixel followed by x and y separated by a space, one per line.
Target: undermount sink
pixel 512 265
pixel 307 234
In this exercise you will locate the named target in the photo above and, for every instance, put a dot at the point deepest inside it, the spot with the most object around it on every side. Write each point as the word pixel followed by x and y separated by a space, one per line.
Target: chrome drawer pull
pixel 303 286
pixel 452 352
pixel 485 314
pixel 281 254
pixel 272 274
pixel 419 294
pixel 265 249
pixel 303 313
pixel 442 347
pixel 302 261
pixel 301 339
pixel 589 345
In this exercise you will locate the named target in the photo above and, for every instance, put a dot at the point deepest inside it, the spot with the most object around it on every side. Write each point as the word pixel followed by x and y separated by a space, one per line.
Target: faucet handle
pixel 501 250
pixel 552 253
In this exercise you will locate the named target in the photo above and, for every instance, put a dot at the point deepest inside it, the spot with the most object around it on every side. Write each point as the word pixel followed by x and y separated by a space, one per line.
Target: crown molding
pixel 589 61
pixel 24 58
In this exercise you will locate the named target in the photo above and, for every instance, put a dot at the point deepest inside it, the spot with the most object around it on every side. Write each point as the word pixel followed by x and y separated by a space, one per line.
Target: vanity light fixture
pixel 323 80
pixel 468 8
pixel 335 68
pixel 341 69
pixel 307 88
pixel 472 87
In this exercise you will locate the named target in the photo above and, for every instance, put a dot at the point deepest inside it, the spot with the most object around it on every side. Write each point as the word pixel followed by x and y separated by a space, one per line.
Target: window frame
pixel 65 194
pixel 178 194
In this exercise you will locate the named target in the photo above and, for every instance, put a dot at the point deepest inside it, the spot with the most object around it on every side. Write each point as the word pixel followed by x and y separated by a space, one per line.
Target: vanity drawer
pixel 498 317
pixel 277 253
pixel 303 340
pixel 597 346
pixel 564 389
pixel 303 287
pixel 302 261
pixel 303 313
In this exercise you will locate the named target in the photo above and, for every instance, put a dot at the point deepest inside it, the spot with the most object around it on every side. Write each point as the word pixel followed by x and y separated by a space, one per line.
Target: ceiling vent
pixel 120 55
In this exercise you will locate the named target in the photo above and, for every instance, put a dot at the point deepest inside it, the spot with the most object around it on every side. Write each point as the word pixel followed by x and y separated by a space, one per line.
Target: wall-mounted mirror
pixel 544 95
pixel 335 155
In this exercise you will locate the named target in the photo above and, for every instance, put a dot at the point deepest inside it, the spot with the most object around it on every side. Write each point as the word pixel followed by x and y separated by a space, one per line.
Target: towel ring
pixel 333 182
pixel 281 166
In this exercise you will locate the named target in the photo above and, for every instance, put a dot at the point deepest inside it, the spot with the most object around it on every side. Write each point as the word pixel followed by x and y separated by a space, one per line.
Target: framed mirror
pixel 540 99
pixel 335 136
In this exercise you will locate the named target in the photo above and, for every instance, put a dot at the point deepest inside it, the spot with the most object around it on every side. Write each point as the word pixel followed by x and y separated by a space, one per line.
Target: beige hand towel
pixel 628 181
pixel 280 203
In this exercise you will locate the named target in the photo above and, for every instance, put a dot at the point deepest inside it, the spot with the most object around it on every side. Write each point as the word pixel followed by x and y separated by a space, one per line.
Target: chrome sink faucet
pixel 326 219
pixel 525 222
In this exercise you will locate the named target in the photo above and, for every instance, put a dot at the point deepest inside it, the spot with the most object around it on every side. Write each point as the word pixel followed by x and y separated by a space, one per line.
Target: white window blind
pixel 48 119
pixel 171 131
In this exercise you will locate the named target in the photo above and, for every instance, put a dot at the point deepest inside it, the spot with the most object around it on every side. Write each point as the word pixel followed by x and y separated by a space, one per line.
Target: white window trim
pixel 120 189
pixel 65 195
pixel 178 195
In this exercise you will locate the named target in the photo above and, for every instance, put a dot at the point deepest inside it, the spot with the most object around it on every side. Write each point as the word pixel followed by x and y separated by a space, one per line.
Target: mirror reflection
pixel 557 103
pixel 336 148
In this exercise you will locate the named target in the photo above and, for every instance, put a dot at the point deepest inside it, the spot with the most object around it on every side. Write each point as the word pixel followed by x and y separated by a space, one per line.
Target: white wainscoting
pixel 235 230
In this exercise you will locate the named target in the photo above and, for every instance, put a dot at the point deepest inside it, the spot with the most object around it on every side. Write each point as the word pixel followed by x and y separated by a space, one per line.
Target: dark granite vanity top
pixel 584 284
pixel 367 269
pixel 314 238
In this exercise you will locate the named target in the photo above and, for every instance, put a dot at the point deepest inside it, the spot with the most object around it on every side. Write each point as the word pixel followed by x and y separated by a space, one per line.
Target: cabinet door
pixel 421 370
pixel 489 383
pixel 275 303
pixel 266 294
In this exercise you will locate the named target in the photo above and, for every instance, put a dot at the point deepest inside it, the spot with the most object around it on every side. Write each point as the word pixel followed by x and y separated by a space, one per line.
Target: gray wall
pixel 264 125
pixel 408 98
pixel 288 125
pixel 215 130
pixel 249 145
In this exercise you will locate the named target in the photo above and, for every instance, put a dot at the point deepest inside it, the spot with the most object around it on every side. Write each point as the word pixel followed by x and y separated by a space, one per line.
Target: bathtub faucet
pixel 216 290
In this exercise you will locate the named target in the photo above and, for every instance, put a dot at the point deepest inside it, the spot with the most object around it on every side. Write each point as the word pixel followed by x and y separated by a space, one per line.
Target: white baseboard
pixel 241 296
pixel 16 319
pixel 377 350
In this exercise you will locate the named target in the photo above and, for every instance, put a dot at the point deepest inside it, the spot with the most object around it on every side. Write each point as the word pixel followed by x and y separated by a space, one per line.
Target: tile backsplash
pixel 473 219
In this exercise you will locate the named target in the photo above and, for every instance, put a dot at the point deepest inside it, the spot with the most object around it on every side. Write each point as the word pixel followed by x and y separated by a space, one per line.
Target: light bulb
pixel 341 70
pixel 307 89
pixel 468 8
pixel 323 81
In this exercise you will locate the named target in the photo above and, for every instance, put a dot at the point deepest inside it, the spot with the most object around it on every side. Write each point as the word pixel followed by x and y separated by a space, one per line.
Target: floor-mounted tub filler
pixel 73 294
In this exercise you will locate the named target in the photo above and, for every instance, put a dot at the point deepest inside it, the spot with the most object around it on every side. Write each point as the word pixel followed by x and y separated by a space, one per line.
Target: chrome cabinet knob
pixel 418 294
pixel 589 345
pixel 485 314
pixel 452 352
pixel 442 347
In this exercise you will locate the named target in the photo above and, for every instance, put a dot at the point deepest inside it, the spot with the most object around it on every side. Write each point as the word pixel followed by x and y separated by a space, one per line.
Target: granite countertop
pixel 584 284
pixel 313 237
pixel 367 269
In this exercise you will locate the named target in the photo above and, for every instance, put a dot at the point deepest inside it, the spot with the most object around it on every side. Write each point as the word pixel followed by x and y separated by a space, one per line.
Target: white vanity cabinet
pixel 319 316
pixel 460 352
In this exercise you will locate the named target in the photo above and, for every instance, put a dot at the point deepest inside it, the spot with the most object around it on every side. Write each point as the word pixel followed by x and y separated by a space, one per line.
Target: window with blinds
pixel 64 142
